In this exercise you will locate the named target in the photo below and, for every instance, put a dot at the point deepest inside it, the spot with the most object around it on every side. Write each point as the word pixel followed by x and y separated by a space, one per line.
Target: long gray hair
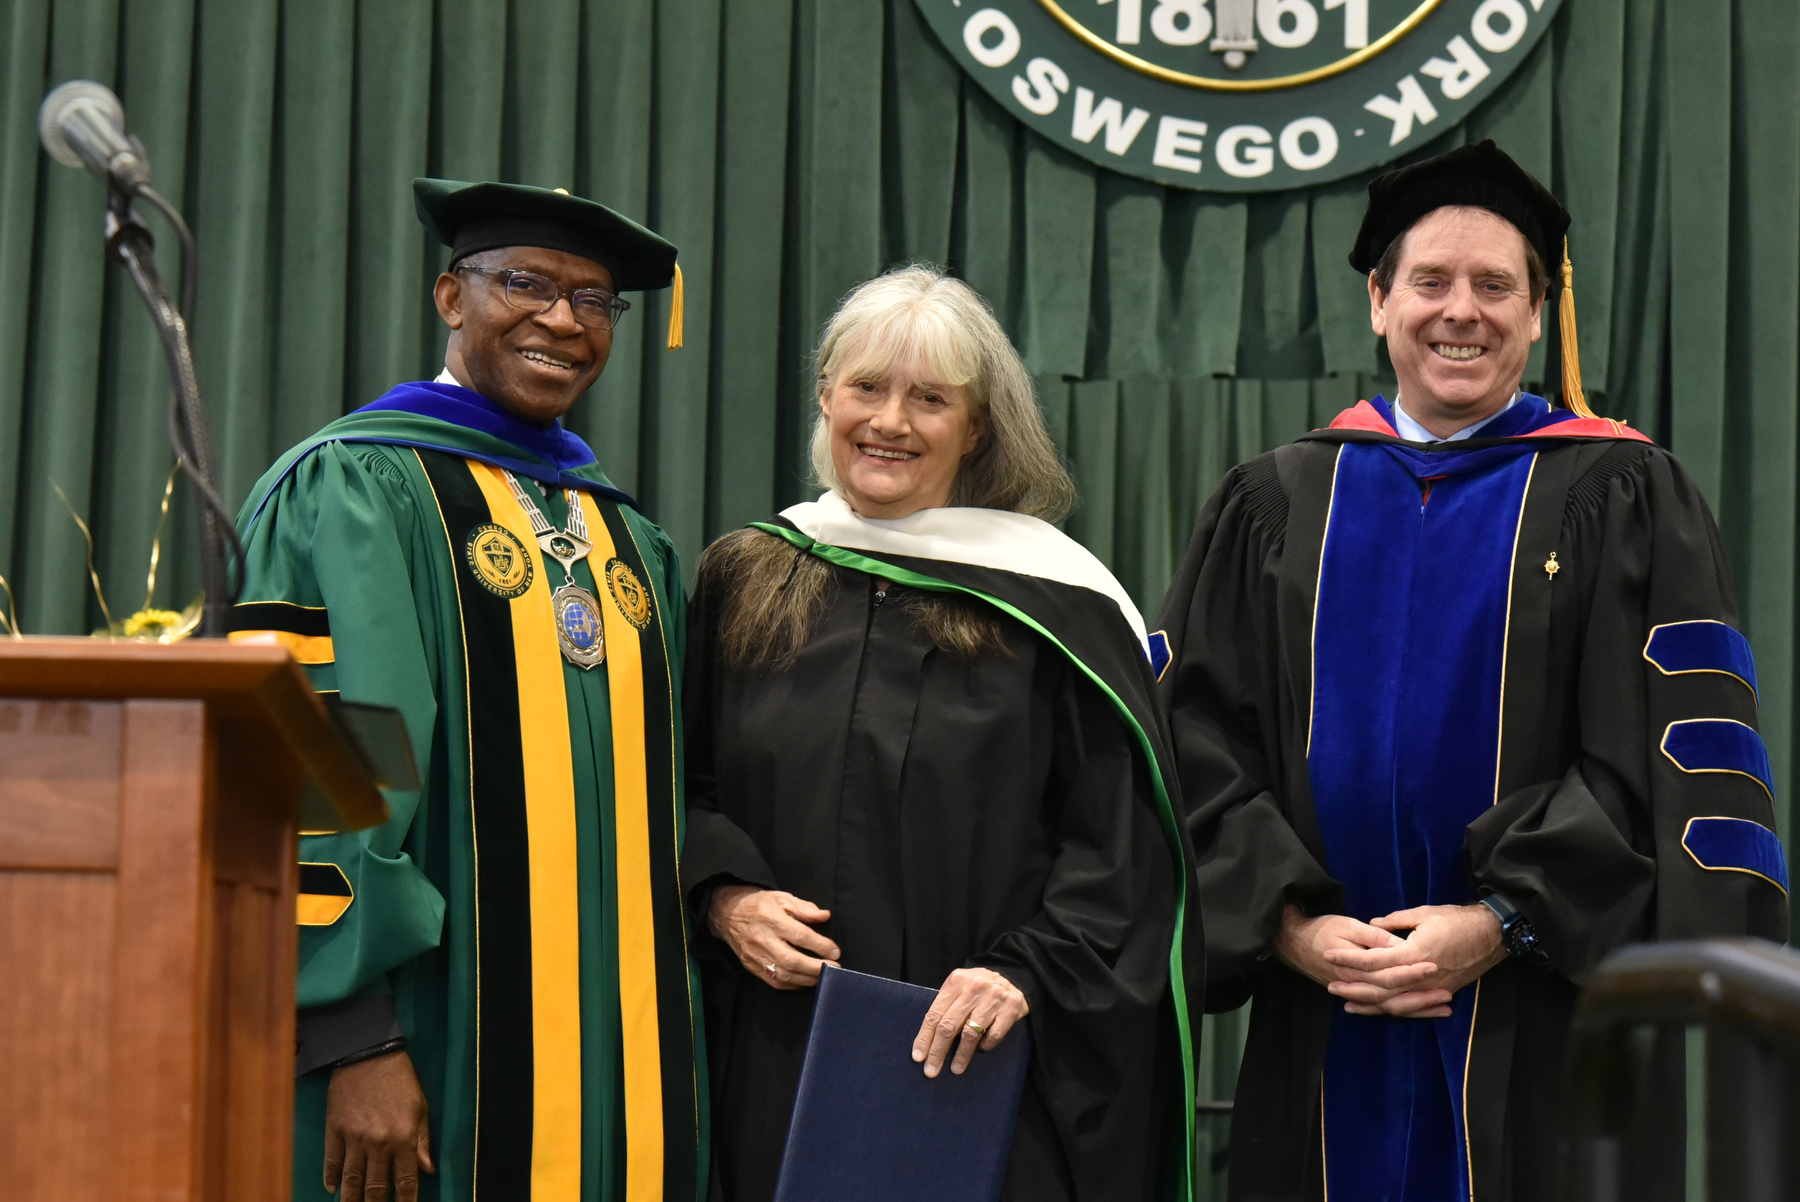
pixel 918 315
pixel 767 596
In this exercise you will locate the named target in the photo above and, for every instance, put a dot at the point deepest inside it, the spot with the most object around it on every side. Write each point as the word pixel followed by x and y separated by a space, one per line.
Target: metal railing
pixel 1631 1048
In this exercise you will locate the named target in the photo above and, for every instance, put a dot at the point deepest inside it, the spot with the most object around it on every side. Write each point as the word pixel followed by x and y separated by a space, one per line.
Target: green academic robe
pixel 522 909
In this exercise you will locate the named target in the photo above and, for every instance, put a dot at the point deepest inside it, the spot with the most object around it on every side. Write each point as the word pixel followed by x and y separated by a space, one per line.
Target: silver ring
pixel 771 969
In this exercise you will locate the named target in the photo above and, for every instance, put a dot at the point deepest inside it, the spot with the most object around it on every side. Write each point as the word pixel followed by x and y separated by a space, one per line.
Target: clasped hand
pixel 772 934
pixel 1376 971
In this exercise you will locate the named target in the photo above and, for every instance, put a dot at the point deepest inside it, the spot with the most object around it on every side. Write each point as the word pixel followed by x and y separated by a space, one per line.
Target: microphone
pixel 82 124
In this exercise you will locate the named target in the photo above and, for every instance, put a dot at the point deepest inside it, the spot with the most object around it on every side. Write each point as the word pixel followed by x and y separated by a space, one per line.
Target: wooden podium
pixel 147 939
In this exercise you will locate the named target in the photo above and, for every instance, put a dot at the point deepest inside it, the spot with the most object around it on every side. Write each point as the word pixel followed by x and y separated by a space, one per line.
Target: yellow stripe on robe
pixel 324 896
pixel 306 649
pixel 555 883
pixel 640 1033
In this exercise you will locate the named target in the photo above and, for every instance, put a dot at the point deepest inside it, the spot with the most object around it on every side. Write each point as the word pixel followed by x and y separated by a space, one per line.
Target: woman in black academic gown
pixel 892 770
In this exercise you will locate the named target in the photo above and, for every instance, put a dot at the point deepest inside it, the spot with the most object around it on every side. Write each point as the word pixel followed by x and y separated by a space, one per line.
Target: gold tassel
pixel 675 306
pixel 1573 397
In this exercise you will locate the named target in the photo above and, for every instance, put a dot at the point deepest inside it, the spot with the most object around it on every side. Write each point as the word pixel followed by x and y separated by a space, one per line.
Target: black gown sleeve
pixel 1596 858
pixel 1093 961
pixel 1101 934
pixel 715 850
pixel 1226 695
pixel 323 1035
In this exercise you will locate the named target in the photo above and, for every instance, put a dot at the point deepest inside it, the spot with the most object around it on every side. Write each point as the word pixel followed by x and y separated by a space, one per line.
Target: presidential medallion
pixel 499 560
pixel 565 547
pixel 578 625
pixel 579 629
pixel 628 592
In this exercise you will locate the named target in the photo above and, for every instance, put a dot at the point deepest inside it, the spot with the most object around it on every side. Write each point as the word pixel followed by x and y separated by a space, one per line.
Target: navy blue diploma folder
pixel 869 1126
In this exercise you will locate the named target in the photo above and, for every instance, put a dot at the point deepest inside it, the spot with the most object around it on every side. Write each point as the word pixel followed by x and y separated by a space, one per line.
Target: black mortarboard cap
pixel 1480 175
pixel 475 217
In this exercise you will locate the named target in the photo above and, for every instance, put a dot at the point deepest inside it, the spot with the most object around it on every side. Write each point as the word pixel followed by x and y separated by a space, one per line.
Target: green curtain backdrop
pixel 792 148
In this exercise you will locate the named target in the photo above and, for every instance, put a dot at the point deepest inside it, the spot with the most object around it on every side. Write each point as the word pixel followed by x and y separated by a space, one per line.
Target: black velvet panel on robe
pixel 1585 838
pixel 949 813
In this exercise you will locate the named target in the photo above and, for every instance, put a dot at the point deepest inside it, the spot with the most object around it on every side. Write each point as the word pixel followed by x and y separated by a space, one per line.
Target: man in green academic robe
pixel 496 998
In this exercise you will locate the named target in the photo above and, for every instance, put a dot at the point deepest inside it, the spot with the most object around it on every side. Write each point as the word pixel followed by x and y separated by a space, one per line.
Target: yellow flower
pixel 146 619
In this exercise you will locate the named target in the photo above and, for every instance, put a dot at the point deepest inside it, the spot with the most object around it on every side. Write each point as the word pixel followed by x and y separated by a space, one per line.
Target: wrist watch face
pixel 1519 937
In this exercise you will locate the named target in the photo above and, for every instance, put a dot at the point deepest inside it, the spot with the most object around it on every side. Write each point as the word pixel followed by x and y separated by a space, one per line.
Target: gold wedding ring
pixel 976 1027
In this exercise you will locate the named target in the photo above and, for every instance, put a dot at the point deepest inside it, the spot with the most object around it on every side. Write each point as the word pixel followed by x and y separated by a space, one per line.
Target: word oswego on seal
pixel 499 560
pixel 628 593
pixel 1239 95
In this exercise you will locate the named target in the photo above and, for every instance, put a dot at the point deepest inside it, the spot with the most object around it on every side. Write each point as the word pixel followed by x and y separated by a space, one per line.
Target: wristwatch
pixel 1516 932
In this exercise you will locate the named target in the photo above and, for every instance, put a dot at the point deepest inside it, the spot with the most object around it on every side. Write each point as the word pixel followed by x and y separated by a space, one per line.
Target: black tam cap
pixel 469 218
pixel 1482 176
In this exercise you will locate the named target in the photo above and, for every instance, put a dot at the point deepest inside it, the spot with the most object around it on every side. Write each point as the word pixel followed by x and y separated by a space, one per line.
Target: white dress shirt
pixel 1412 431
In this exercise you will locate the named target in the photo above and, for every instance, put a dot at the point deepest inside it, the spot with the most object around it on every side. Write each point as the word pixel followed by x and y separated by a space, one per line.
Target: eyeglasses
pixel 594 308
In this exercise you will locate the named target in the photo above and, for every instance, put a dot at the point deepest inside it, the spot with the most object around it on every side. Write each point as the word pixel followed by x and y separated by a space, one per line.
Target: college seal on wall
pixel 499 560
pixel 1239 95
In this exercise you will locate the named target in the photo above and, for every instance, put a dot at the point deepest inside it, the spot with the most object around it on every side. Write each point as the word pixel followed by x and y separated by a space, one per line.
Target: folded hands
pixel 1407 964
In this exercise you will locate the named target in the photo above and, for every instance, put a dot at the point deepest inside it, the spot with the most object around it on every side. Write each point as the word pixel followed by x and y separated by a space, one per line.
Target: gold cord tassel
pixel 675 305
pixel 1573 397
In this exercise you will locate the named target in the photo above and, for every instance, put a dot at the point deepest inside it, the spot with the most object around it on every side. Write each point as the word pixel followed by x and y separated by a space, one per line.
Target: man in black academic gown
pixel 1460 705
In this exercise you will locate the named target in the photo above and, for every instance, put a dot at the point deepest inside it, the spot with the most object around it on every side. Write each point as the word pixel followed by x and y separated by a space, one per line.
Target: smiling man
pixel 496 998
pixel 1460 705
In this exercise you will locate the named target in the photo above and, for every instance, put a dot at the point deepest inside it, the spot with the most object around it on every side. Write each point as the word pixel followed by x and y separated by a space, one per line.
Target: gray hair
pixel 919 313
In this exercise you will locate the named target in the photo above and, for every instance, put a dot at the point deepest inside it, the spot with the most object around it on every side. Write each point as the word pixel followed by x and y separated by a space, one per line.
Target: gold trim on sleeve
pixel 1723 867
pixel 323 909
pixel 305 648
pixel 1651 638
pixel 1663 746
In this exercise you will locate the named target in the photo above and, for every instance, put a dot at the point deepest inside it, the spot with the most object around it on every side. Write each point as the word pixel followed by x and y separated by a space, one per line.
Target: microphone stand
pixel 129 240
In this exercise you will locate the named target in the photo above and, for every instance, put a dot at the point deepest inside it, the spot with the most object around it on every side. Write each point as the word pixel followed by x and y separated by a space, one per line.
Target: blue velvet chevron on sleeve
pixel 1701 646
pixel 1736 845
pixel 1719 745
